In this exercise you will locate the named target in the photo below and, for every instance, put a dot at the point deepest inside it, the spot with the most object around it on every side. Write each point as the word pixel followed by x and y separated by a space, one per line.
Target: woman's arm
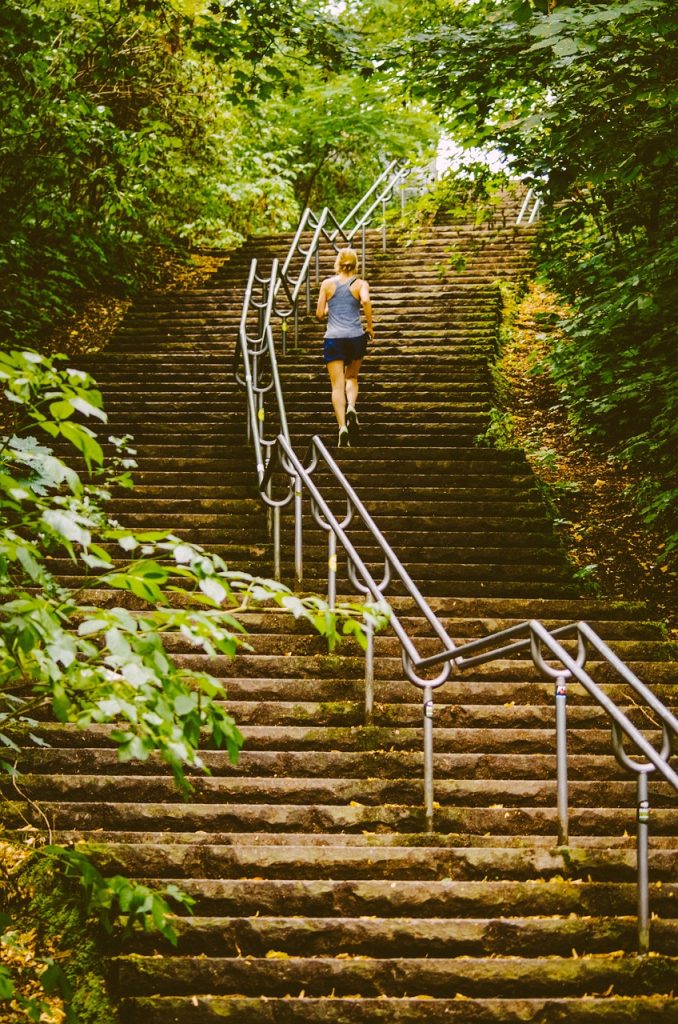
pixel 367 306
pixel 321 309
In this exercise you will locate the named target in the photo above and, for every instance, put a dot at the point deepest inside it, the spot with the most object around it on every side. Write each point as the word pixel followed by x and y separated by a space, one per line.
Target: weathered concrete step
pixel 411 937
pixel 486 577
pixel 331 790
pixel 427 493
pixel 333 764
pixel 216 480
pixel 459 547
pixel 169 504
pixel 270 621
pixel 436 421
pixel 446 899
pixel 326 818
pixel 388 667
pixel 348 839
pixel 499 977
pixel 297 738
pixel 489 609
pixel 407 1010
pixel 272 641
pixel 375 862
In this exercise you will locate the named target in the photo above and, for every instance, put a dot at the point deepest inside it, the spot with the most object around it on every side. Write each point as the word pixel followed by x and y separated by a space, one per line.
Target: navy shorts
pixel 347 349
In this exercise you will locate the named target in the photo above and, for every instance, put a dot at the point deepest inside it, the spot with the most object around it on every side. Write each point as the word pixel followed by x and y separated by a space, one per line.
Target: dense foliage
pixel 580 99
pixel 130 125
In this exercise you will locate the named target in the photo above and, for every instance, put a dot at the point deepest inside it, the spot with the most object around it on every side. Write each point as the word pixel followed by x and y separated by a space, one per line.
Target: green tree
pixel 345 128
pixel 118 137
pixel 580 98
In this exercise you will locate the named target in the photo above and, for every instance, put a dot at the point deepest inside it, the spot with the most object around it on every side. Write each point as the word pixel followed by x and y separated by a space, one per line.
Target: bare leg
pixel 336 372
pixel 351 376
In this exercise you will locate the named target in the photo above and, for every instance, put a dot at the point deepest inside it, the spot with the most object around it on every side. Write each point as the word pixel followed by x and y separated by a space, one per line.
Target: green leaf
pixel 61 410
pixel 6 983
pixel 185 703
pixel 566 47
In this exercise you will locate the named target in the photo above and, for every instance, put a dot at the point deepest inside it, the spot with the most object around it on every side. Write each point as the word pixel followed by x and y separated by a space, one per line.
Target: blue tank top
pixel 343 312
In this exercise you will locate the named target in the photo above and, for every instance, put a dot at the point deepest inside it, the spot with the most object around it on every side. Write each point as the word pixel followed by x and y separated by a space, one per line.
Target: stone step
pixel 327 791
pixel 337 764
pixel 407 1010
pixel 410 937
pixel 337 862
pixel 503 977
pixel 450 898
pixel 325 818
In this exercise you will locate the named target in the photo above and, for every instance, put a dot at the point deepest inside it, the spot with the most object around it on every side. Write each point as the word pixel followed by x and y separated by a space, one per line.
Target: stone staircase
pixel 319 894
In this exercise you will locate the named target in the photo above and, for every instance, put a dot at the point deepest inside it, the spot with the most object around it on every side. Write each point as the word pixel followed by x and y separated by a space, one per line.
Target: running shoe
pixel 343 441
pixel 352 423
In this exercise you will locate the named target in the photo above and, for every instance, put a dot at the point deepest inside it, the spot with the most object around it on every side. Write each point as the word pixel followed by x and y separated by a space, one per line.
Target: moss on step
pixel 45 908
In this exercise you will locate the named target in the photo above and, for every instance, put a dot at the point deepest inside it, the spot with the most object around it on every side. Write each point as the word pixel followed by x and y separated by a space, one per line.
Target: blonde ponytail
pixel 347 260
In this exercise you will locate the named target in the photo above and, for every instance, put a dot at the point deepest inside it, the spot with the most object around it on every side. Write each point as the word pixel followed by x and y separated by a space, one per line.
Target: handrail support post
pixel 561 760
pixel 332 569
pixel 298 533
pixel 642 853
pixel 277 544
pixel 428 756
pixel 369 673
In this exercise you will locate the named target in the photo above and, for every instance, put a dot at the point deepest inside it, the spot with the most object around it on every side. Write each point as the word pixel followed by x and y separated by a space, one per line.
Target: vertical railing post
pixel 296 324
pixel 308 293
pixel 369 673
pixel 283 328
pixel 277 571
pixel 561 760
pixel 248 417
pixel 643 813
pixel 298 533
pixel 363 246
pixel 428 756
pixel 269 515
pixel 317 265
pixel 332 569
pixel 383 227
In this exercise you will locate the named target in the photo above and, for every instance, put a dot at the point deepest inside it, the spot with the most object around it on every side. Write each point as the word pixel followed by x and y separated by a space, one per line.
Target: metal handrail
pixel 258 354
pixel 326 227
pixel 531 203
pixel 392 168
